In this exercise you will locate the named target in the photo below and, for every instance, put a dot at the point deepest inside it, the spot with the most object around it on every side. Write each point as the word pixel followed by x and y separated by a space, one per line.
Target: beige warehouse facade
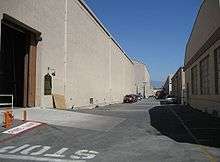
pixel 202 65
pixel 142 79
pixel 80 55
pixel 167 87
pixel 178 85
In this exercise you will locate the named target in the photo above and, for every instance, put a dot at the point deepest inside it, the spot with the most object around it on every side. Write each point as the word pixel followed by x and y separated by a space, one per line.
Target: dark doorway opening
pixel 13 51
pixel 18 61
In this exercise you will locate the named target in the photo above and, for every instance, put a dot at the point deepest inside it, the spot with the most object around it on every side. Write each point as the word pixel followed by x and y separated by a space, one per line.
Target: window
pixel 194 80
pixel 217 71
pixel 204 76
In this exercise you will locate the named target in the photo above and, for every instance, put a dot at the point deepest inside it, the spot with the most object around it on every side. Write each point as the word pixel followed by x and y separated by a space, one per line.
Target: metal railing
pixel 7 103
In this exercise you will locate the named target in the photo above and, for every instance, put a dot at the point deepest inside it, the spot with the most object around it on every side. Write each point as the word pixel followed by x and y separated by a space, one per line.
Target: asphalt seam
pixel 204 150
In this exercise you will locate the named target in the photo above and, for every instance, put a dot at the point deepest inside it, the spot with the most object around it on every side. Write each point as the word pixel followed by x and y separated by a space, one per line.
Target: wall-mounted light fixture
pixel 51 71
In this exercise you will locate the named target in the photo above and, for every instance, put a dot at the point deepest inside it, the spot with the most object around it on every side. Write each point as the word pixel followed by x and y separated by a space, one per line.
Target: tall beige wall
pixel 208 20
pixel 87 58
pixel 122 75
pixel 178 85
pixel 202 43
pixel 86 61
pixel 204 102
pixel 167 87
pixel 96 66
pixel 47 17
pixel 142 79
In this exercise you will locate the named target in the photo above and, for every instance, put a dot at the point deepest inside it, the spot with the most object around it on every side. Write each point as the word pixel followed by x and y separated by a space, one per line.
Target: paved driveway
pixel 127 134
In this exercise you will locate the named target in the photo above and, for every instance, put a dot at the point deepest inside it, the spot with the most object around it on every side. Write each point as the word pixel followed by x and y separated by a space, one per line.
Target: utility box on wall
pixel 47 84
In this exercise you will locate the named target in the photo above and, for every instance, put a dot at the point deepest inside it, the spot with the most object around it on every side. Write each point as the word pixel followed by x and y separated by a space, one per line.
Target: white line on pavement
pixel 22 128
pixel 31 158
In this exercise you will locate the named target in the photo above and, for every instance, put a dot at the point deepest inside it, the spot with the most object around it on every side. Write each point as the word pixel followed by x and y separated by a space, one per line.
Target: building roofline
pixel 140 62
pixel 193 27
pixel 88 9
pixel 180 68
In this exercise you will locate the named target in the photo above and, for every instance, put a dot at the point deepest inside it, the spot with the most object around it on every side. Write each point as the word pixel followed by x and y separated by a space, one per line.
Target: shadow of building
pixel 184 124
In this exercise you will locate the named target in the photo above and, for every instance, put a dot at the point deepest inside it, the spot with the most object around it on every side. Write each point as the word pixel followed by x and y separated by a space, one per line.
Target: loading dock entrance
pixel 18 61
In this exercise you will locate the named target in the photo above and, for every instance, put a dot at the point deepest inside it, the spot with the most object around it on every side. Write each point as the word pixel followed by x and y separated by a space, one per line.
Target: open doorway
pixel 18 61
pixel 13 51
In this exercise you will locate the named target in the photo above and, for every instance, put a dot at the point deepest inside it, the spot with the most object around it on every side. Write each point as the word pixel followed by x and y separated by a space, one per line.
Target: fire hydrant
pixel 8 119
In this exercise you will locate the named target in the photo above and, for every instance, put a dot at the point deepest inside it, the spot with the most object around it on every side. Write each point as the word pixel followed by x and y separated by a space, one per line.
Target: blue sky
pixel 153 31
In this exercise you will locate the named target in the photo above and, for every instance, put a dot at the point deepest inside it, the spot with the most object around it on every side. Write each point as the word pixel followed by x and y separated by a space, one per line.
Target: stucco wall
pixel 207 22
pixel 48 18
pixel 96 67
pixel 142 78
pixel 168 85
pixel 87 58
pixel 86 61
pixel 122 75
pixel 178 85
pixel 204 102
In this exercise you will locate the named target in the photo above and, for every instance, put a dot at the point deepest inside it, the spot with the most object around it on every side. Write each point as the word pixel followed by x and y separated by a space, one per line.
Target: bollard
pixel 8 119
pixel 24 115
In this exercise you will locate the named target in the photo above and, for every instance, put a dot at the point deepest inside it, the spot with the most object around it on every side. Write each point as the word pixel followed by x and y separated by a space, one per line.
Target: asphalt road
pixel 133 132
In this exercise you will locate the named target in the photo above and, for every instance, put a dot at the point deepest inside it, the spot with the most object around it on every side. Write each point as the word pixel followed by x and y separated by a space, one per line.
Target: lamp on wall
pixel 51 71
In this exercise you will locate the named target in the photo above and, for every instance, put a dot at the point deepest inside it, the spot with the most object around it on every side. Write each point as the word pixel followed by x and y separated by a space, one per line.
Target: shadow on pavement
pixel 202 128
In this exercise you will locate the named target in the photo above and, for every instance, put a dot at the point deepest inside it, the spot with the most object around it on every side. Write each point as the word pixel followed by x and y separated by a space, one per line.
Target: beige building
pixel 60 47
pixel 167 87
pixel 202 60
pixel 142 79
pixel 178 85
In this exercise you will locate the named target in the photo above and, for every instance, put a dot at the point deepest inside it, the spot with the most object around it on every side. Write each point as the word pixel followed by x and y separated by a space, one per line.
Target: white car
pixel 170 99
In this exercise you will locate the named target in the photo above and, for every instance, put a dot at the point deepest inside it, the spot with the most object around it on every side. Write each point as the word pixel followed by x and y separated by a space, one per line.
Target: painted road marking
pixel 31 158
pixel 84 154
pixel 58 154
pixel 22 128
pixel 28 152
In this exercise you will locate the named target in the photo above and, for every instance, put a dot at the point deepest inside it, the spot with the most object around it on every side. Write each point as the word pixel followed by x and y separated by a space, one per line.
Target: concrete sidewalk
pixel 69 118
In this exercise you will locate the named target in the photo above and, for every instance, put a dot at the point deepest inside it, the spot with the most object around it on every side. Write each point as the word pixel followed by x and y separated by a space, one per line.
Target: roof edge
pixel 193 27
pixel 88 9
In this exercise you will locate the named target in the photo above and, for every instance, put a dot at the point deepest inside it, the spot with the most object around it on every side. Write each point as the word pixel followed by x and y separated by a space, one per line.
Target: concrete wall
pixel 178 85
pixel 122 75
pixel 167 87
pixel 48 18
pixel 142 79
pixel 204 102
pixel 206 24
pixel 86 60
pixel 207 21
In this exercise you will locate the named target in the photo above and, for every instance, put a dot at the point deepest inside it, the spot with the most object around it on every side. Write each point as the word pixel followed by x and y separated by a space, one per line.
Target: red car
pixel 130 98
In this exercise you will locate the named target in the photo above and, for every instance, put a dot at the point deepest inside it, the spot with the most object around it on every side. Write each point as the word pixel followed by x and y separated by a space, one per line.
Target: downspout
pixel 110 70
pixel 65 44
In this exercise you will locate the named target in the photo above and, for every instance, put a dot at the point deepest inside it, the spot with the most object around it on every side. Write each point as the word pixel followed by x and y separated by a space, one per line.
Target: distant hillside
pixel 156 84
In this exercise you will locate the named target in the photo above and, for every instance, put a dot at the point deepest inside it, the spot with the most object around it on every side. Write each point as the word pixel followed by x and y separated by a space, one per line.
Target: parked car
pixel 170 99
pixel 130 98
pixel 139 96
pixel 160 95
pixel 151 96
pixel 135 96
